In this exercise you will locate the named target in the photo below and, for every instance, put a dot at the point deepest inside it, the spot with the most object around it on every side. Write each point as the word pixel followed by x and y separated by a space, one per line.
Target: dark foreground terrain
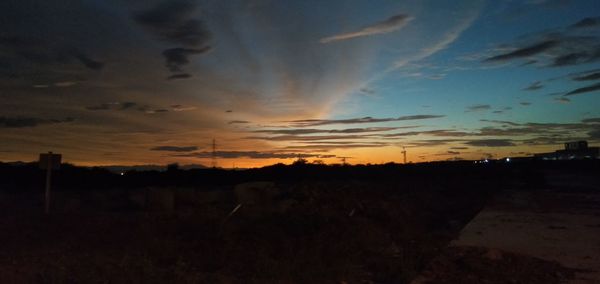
pixel 296 224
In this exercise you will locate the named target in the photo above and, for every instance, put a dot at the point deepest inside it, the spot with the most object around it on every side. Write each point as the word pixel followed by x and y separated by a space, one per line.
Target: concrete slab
pixel 559 224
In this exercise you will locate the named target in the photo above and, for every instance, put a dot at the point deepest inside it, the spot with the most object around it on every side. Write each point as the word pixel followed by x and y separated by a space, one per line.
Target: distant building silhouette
pixel 577 150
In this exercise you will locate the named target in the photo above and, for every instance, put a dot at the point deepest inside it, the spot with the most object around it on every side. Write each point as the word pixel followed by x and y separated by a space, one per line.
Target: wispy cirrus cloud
pixel 476 108
pixel 588 77
pixel 332 131
pixel 309 138
pixel 248 154
pixel 534 86
pixel 178 76
pixel 583 90
pixel 572 45
pixel 368 119
pixel 174 148
pixel 238 122
pixel 491 143
pixel 324 146
pixel 446 40
pixel 525 51
pixel 587 22
pixel 22 121
pixel 563 100
pixel 128 106
pixel 389 25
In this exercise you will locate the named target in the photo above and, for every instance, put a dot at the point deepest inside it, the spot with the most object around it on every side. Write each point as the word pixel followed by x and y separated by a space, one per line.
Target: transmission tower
pixel 214 154
pixel 404 153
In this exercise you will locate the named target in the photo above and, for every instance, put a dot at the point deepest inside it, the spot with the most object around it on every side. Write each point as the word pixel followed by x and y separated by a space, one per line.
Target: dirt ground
pixel 311 231
pixel 481 265
pixel 328 232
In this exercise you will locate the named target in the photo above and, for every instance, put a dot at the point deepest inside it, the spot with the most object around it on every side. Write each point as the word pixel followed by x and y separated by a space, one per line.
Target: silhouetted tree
pixel 300 162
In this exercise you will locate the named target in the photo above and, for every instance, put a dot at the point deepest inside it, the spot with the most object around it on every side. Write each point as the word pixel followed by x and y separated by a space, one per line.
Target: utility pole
pixel 404 153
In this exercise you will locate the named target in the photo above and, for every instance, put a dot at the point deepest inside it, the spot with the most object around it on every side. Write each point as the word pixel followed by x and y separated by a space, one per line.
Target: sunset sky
pixel 124 82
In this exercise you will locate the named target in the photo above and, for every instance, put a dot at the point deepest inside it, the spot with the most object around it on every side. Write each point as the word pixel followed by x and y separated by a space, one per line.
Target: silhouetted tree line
pixel 27 177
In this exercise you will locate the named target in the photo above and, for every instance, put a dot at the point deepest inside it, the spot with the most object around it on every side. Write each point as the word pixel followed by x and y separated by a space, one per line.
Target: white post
pixel 48 180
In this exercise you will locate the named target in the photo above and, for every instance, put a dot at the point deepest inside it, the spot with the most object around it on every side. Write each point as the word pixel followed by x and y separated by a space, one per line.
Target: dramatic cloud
pixel 392 24
pixel 175 148
pixel 562 100
pixel 534 86
pixel 177 57
pixel 525 51
pixel 475 108
pixel 525 103
pixel 491 143
pixel 20 122
pixel 582 90
pixel 318 122
pixel 171 21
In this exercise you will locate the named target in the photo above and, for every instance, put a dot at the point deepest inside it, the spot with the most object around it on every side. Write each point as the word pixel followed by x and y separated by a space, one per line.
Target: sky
pixel 124 82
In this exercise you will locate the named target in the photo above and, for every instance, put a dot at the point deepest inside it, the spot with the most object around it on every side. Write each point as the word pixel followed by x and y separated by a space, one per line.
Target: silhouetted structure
pixel 576 150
